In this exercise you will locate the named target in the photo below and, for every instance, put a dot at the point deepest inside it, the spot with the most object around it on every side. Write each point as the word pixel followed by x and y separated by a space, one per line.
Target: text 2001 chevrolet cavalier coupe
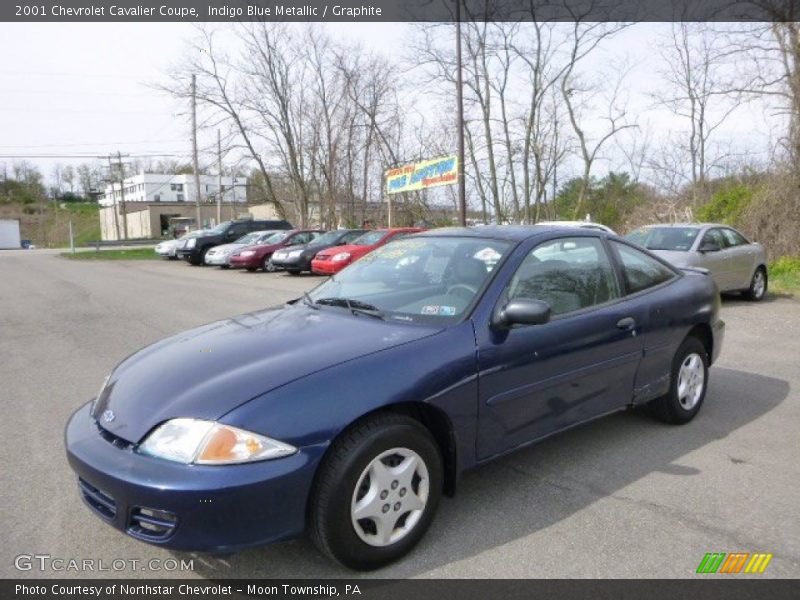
pixel 348 412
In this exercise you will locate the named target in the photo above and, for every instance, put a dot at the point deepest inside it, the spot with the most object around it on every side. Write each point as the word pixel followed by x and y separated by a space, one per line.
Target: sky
pixel 88 87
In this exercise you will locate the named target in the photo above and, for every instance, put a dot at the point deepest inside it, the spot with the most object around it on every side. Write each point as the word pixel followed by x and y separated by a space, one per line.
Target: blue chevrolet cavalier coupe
pixel 348 412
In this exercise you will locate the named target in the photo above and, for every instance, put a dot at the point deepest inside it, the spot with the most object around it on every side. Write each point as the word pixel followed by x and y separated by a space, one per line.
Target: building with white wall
pixel 165 187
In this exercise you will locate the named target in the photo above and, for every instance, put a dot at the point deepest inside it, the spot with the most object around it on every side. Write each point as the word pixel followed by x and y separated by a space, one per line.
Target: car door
pixel 742 257
pixel 538 379
pixel 717 258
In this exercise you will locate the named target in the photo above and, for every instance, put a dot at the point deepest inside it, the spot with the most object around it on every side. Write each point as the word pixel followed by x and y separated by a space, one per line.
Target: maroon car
pixel 259 256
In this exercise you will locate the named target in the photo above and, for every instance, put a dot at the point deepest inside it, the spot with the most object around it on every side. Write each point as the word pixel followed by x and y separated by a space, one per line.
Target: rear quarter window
pixel 640 271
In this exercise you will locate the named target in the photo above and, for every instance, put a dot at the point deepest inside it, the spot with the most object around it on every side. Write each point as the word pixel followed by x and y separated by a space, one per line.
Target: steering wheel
pixel 470 290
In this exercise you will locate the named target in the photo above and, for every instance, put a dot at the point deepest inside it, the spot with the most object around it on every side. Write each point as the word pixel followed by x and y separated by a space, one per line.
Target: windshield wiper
pixel 308 301
pixel 354 306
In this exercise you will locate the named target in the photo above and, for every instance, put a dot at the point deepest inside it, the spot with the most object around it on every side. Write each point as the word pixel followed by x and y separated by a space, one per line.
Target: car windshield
pixel 369 238
pixel 192 234
pixel 679 239
pixel 274 238
pixel 219 228
pixel 250 238
pixel 326 238
pixel 418 279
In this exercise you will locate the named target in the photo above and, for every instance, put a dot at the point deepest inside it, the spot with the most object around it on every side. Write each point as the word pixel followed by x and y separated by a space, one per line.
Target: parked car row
pixel 274 245
pixel 735 263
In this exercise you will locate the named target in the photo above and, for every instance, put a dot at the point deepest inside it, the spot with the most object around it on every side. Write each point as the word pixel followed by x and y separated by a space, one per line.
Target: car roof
pixel 699 225
pixel 514 233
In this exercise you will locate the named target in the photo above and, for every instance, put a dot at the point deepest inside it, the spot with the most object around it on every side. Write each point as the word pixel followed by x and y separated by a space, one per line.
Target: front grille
pixel 323 257
pixel 115 440
pixel 151 524
pixel 99 500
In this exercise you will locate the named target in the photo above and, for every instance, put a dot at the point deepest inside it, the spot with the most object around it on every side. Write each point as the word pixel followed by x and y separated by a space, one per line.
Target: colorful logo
pixel 735 562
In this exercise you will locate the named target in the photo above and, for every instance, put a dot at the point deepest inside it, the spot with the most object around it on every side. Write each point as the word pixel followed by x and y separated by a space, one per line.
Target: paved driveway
pixel 622 497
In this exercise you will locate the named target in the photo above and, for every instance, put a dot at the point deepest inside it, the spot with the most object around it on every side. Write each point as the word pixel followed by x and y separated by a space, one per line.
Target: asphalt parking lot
pixel 622 497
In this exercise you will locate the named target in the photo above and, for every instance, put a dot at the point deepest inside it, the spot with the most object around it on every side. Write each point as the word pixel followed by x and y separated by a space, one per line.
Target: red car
pixel 335 259
pixel 259 255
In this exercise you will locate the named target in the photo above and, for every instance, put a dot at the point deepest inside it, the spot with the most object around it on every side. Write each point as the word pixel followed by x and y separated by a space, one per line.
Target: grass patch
pixel 134 254
pixel 784 275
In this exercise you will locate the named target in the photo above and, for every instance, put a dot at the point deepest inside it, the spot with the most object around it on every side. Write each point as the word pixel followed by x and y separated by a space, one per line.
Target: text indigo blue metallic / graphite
pixel 302 375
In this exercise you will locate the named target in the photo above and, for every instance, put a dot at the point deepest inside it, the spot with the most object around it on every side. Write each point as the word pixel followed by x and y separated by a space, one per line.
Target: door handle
pixel 626 323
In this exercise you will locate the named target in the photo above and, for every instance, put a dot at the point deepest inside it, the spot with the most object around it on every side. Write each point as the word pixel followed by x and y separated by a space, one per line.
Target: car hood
pixel 260 248
pixel 206 372
pixel 227 248
pixel 353 249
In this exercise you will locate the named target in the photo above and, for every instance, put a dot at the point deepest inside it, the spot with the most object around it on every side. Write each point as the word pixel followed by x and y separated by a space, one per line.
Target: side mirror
pixel 708 247
pixel 523 311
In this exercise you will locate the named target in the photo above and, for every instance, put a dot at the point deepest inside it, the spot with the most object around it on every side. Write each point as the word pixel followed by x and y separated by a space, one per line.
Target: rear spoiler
pixel 700 270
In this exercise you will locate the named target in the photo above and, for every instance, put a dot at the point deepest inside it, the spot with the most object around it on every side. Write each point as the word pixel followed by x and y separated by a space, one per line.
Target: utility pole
pixel 113 197
pixel 122 196
pixel 195 165
pixel 219 178
pixel 462 195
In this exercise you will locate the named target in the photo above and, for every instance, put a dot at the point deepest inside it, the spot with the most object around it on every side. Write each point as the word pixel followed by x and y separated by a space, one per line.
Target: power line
pixel 92 155
pixel 94 144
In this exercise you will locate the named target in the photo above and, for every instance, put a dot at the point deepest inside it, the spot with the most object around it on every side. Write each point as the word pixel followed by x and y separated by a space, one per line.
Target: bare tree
pixel 573 91
pixel 694 60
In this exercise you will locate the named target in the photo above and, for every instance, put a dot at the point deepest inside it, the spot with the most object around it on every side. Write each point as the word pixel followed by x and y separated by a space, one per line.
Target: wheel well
pixel 702 332
pixel 438 425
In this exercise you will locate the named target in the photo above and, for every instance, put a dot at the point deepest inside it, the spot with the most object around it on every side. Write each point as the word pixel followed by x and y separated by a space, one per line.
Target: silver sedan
pixel 735 263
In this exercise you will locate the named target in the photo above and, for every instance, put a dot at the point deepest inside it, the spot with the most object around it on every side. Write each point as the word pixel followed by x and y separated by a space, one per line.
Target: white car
pixel 169 248
pixel 581 224
pixel 221 255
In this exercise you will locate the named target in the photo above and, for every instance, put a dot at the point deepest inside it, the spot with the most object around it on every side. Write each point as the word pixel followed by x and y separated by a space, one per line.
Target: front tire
pixel 758 286
pixel 268 266
pixel 376 492
pixel 688 385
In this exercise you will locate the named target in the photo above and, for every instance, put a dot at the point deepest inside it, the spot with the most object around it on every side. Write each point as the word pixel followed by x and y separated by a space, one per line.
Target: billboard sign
pixel 422 175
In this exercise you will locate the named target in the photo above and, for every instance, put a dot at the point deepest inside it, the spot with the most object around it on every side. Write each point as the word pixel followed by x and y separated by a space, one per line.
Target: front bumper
pixel 327 267
pixel 219 260
pixel 165 252
pixel 291 262
pixel 189 507
pixel 718 333
pixel 245 262
pixel 190 254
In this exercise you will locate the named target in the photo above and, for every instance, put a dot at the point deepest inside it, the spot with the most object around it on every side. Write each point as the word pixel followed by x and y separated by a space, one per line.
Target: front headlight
pixel 247 253
pixel 210 443
pixel 341 256
pixel 294 253
pixel 191 243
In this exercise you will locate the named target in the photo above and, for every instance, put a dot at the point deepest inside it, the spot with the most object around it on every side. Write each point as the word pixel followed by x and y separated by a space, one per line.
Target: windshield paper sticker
pixel 435 309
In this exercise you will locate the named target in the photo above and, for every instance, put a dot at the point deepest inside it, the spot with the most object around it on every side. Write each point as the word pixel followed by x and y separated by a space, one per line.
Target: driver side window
pixel 568 273
pixel 714 236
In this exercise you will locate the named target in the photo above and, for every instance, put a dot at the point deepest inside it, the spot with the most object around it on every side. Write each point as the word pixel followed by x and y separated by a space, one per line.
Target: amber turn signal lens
pixel 220 446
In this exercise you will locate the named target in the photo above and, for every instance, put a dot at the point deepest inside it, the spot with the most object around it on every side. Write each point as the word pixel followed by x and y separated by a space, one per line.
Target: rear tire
pixel 758 286
pixel 387 468
pixel 293 272
pixel 688 385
